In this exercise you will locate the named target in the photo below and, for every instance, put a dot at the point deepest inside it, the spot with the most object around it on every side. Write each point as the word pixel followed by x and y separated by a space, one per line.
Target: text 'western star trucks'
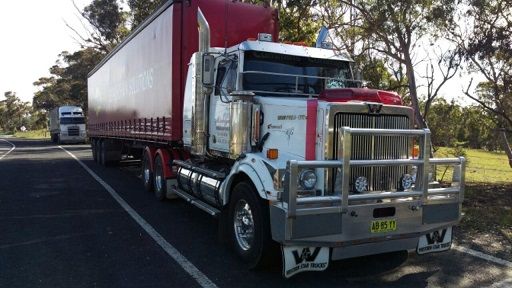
pixel 67 125
pixel 275 139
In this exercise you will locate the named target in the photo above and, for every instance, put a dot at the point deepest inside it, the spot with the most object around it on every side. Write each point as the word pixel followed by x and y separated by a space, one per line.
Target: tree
pixel 68 83
pixel 395 29
pixel 141 9
pixel 447 64
pixel 444 133
pixel 106 25
pixel 297 20
pixel 485 41
pixel 13 112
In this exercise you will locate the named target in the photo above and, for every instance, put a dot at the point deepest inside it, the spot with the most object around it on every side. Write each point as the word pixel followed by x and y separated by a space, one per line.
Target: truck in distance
pixel 276 140
pixel 67 125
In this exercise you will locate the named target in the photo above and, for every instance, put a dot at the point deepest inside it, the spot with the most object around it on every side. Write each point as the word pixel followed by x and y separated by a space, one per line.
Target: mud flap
pixel 436 241
pixel 298 259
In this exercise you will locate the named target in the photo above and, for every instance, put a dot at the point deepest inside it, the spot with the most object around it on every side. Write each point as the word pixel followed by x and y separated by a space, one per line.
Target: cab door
pixel 219 124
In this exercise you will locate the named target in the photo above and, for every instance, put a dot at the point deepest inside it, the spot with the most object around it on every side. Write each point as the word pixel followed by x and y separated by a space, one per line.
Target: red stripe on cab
pixel 310 153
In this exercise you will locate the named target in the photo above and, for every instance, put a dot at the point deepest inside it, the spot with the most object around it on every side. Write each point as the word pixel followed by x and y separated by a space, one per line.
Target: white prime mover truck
pixel 67 124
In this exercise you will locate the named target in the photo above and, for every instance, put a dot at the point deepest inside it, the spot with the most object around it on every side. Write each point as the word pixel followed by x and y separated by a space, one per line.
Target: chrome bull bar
pixel 295 206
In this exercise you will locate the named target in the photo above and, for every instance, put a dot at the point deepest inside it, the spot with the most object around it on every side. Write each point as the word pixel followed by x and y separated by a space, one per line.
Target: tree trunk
pixel 506 146
pixel 409 68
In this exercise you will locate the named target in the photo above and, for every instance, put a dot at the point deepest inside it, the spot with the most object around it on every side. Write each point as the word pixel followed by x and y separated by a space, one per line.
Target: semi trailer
pixel 67 125
pixel 278 141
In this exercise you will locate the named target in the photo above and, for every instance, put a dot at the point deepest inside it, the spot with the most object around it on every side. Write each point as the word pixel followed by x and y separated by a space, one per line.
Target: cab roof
pixel 295 50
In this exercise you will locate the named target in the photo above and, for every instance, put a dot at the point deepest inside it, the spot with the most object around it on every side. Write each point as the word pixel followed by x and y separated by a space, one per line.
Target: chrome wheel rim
pixel 158 178
pixel 243 225
pixel 146 172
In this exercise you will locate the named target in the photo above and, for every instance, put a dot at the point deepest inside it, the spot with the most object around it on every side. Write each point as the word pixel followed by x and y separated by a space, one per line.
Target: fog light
pixel 307 179
pixel 406 182
pixel 361 184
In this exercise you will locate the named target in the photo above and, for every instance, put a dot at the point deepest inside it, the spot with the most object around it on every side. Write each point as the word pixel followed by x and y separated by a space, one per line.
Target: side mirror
pixel 207 72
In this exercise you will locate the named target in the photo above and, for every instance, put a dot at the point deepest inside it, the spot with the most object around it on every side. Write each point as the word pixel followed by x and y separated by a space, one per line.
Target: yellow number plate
pixel 380 226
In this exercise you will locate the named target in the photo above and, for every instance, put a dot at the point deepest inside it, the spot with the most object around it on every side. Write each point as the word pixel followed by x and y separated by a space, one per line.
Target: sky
pixel 34 32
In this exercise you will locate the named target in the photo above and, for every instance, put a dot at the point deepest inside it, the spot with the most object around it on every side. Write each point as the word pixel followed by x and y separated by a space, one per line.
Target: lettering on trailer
pixel 435 241
pixel 298 259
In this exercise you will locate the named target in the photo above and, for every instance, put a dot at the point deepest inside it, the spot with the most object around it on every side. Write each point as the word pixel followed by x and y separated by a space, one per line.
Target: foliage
pixel 68 81
pixel 108 25
pixel 485 40
pixel 445 122
pixel 141 9
pixel 394 29
pixel 297 20
pixel 13 112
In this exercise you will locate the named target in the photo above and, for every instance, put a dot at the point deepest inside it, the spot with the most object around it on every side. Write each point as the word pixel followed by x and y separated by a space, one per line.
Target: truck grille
pixel 73 131
pixel 366 147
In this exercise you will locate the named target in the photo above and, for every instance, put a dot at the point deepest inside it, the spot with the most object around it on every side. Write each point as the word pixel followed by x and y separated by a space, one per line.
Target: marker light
pixel 272 154
pixel 265 37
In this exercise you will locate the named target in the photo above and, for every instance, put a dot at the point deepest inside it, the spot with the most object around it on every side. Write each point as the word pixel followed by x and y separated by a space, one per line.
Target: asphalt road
pixel 59 227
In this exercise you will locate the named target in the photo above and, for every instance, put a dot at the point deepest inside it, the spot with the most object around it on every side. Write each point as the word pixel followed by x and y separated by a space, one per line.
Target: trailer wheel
pixel 249 222
pixel 102 153
pixel 160 184
pixel 147 174
pixel 94 150
pixel 97 148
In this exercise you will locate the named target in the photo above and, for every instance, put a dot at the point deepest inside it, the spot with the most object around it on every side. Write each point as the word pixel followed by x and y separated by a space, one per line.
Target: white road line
pixel 171 251
pixel 481 255
pixel 12 149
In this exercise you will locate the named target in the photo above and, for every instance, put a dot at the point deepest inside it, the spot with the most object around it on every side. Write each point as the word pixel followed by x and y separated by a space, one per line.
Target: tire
pixel 97 148
pixel 94 150
pixel 147 174
pixel 160 183
pixel 102 153
pixel 246 210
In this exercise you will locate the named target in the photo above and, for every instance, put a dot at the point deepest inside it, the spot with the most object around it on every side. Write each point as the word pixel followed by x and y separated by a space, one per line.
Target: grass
pixel 35 134
pixel 487 205
pixel 481 166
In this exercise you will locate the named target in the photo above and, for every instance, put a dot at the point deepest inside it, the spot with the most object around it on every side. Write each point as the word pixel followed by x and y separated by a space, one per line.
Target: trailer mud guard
pixel 166 159
pixel 151 153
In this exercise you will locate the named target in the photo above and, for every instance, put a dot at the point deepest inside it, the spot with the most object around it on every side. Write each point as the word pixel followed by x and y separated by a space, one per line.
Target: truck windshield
pixel 272 73
pixel 72 120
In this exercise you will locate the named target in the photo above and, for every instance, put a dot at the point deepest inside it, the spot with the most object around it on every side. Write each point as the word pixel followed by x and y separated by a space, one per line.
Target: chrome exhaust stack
pixel 200 108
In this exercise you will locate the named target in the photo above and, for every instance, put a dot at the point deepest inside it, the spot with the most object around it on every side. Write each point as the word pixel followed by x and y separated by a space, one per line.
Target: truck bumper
pixel 72 139
pixel 350 234
pixel 349 223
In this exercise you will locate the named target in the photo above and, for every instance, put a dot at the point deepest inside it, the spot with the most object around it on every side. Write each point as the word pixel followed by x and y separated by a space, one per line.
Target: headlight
pixel 406 182
pixel 307 179
pixel 360 184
